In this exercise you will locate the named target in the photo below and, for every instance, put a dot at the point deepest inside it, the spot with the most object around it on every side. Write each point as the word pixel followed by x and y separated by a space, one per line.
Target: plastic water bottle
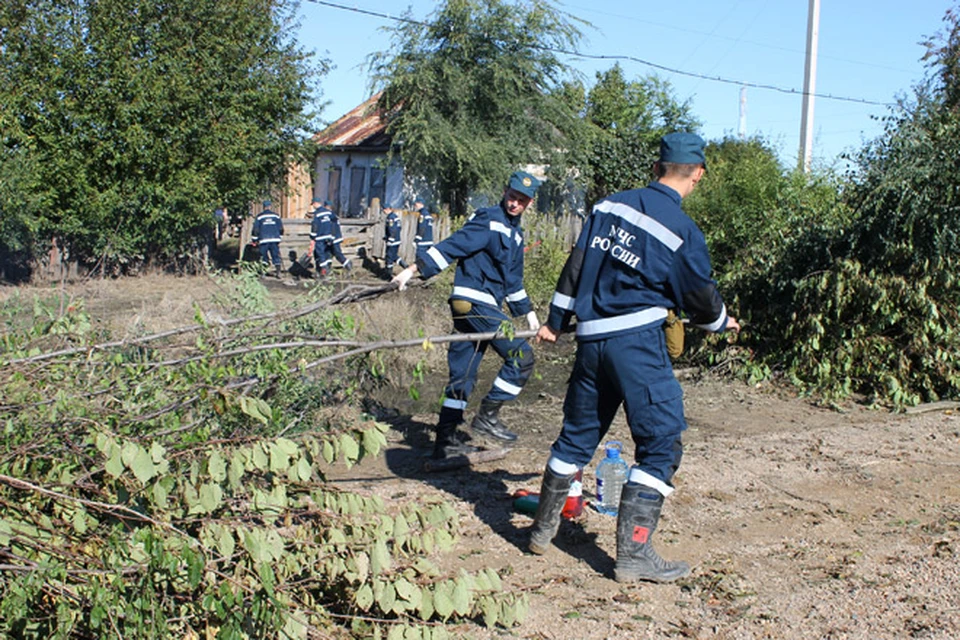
pixel 611 474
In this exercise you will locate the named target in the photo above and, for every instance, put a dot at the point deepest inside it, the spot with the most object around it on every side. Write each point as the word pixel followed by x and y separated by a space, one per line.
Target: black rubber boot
pixel 487 422
pixel 637 521
pixel 450 442
pixel 553 494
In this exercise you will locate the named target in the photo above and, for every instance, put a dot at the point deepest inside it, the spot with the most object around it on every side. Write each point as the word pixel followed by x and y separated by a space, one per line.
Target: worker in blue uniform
pixel 266 234
pixel 326 238
pixel 391 239
pixel 488 252
pixel 424 236
pixel 637 256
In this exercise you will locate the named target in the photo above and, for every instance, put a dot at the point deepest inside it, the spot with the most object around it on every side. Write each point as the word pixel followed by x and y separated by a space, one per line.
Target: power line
pixel 648 63
pixel 765 45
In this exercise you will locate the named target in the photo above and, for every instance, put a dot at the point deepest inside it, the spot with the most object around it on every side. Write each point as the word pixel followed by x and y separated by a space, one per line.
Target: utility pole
pixel 743 113
pixel 809 86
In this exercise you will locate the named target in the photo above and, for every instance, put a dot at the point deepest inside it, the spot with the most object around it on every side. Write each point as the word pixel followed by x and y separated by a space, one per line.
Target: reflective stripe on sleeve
pixel 438 258
pixel 563 302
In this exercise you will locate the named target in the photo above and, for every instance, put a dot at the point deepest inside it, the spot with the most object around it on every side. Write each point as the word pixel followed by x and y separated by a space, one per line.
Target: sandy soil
pixel 800 522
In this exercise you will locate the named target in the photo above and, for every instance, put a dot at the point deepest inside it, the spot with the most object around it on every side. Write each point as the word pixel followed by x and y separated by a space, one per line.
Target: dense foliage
pixel 123 124
pixel 175 486
pixel 848 287
pixel 623 121
pixel 469 93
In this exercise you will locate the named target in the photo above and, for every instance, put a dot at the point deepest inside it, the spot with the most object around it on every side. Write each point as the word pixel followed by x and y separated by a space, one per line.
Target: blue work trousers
pixel 324 252
pixel 464 358
pixel 270 252
pixel 632 370
pixel 392 255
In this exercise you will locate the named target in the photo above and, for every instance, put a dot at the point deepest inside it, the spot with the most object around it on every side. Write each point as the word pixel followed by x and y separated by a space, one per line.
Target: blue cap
pixel 682 148
pixel 267 204
pixel 315 200
pixel 524 183
pixel 327 203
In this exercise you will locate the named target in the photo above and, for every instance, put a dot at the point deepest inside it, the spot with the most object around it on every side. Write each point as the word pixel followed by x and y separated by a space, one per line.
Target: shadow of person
pixel 485 486
pixel 369 264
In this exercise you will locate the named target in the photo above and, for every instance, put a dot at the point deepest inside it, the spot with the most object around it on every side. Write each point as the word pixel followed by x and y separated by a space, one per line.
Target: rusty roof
pixel 360 127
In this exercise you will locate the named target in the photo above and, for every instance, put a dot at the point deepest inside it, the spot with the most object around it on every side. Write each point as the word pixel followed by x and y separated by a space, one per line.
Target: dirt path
pixel 800 522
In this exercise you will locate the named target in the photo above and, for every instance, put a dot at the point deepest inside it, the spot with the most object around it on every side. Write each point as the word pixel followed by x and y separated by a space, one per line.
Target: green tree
pixel 863 298
pixel 470 93
pixel 137 117
pixel 625 121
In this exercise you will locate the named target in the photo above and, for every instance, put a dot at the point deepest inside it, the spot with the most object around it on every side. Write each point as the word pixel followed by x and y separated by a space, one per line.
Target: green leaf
pixel 371 441
pixel 379 558
pixel 256 408
pixel 461 598
pixel 426 605
pixel 216 467
pixel 142 465
pixel 387 598
pixel 364 597
pixel 211 496
pixel 442 602
pixel 304 470
pixel 491 611
pixel 159 495
pixel 349 448
pixel 114 464
pixel 79 520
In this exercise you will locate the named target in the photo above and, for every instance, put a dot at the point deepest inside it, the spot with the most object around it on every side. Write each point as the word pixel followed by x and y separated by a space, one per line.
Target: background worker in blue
pixel 424 236
pixel 488 250
pixel 637 256
pixel 325 238
pixel 391 239
pixel 266 234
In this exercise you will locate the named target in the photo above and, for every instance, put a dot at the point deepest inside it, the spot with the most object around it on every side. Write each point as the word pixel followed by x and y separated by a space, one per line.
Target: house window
pixel 357 192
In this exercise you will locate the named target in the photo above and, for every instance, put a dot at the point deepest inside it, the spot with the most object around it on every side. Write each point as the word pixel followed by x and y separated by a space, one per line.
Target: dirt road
pixel 800 522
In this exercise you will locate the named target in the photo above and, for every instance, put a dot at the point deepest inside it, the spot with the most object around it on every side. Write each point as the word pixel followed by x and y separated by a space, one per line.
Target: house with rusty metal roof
pixel 352 167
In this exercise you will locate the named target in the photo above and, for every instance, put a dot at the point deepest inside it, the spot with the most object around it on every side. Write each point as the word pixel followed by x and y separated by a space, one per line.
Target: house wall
pixel 353 179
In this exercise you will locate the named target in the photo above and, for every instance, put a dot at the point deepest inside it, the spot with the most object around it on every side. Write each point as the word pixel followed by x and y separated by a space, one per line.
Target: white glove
pixel 533 321
pixel 403 278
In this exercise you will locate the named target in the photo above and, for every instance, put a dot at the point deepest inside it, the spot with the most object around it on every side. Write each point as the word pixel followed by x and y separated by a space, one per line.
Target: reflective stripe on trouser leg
pixel 633 369
pixel 655 416
pixel 517 367
pixel 321 256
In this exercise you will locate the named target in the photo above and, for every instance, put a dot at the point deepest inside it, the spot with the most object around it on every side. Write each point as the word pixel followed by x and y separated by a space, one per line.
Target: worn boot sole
pixel 482 428
pixel 677 571
pixel 539 549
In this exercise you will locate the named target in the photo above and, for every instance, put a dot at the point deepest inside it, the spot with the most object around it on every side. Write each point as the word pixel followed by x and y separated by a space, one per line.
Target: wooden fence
pixel 360 235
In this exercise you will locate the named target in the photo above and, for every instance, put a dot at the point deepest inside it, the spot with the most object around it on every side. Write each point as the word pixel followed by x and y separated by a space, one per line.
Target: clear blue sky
pixel 868 51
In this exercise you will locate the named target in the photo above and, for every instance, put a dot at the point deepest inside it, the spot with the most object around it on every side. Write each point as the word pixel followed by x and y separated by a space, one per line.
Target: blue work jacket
pixel 267 228
pixel 488 250
pixel 638 255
